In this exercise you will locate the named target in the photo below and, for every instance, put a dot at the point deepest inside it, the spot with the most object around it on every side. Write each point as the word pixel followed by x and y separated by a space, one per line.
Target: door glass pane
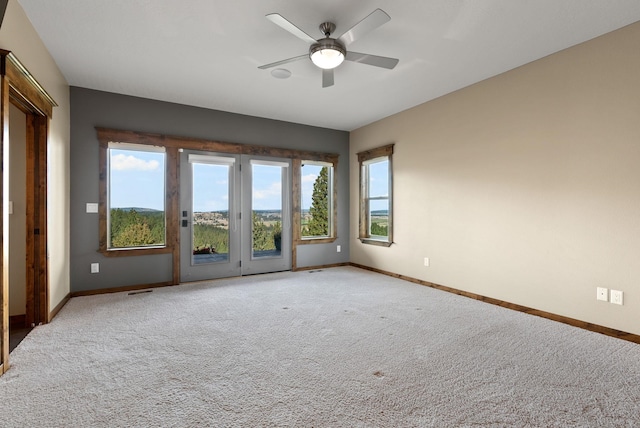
pixel 266 210
pixel 210 226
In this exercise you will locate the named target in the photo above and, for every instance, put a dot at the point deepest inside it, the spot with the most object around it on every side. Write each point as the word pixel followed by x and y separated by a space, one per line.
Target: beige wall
pixel 18 35
pixel 524 187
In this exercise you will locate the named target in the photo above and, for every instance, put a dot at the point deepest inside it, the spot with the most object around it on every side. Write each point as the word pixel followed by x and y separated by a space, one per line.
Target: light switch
pixel 92 207
pixel 602 294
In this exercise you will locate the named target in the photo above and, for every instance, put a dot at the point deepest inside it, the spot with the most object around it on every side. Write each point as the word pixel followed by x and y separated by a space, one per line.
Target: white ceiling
pixel 206 52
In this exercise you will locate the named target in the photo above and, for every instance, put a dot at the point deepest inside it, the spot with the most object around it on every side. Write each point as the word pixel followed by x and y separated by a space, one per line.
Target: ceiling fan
pixel 327 53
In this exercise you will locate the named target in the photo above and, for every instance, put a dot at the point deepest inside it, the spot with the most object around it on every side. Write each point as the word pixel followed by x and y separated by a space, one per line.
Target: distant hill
pixel 139 209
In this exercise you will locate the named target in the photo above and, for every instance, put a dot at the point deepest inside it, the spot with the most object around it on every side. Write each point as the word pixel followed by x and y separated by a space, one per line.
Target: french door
pixel 235 214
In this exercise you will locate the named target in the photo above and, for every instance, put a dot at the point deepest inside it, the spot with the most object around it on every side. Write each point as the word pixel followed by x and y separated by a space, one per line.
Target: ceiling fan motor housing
pixel 330 47
pixel 332 51
pixel 327 43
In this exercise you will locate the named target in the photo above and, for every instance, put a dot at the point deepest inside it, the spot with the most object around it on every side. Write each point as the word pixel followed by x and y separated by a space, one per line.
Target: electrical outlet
pixel 338 248
pixel 426 261
pixel 95 267
pixel 616 297
pixel 602 294
pixel 92 207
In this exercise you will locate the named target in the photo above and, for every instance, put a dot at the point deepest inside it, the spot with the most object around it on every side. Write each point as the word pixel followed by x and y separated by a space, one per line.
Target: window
pixel 156 160
pixel 135 196
pixel 316 204
pixel 376 196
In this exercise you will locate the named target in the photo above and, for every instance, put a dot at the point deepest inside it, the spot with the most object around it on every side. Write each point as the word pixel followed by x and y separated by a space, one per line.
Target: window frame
pixel 104 206
pixel 331 212
pixel 317 158
pixel 365 159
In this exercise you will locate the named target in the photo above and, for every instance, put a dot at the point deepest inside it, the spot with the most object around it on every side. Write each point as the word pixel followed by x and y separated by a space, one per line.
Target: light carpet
pixel 340 347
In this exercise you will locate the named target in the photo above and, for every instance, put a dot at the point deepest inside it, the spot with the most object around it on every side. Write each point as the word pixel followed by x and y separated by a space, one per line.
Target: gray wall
pixel 91 108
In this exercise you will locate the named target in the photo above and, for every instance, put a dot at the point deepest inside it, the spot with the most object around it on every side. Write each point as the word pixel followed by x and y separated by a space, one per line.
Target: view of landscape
pixel 211 231
pixel 379 223
pixel 140 227
pixel 137 227
pixel 136 198
pixel 137 217
pixel 315 207
pixel 377 172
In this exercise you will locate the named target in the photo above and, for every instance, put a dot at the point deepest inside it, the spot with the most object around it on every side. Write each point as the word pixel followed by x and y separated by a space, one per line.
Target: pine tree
pixel 319 222
pixel 134 235
pixel 261 239
pixel 277 235
pixel 378 229
pixel 130 228
pixel 209 236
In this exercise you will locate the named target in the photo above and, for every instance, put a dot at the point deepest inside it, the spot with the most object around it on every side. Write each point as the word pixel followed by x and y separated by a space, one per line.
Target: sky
pixel 378 185
pixel 211 187
pixel 137 180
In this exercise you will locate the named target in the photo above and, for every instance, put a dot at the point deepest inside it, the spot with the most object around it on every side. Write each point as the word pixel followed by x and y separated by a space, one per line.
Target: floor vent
pixel 140 292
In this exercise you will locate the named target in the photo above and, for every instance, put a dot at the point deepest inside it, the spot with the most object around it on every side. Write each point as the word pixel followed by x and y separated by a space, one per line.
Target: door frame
pixel 240 257
pixel 251 265
pixel 20 88
pixel 231 267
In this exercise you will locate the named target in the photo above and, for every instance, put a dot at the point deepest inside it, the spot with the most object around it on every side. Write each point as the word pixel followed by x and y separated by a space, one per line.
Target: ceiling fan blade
pixel 284 61
pixel 369 23
pixel 283 23
pixel 375 60
pixel 327 78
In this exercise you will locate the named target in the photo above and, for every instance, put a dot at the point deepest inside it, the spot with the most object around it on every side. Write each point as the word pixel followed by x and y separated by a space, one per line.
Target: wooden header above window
pixel 106 136
pixel 378 152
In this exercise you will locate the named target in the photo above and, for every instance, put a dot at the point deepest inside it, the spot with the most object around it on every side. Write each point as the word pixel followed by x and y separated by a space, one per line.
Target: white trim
pixel 269 163
pixel 375 160
pixel 316 163
pixel 215 160
pixel 136 147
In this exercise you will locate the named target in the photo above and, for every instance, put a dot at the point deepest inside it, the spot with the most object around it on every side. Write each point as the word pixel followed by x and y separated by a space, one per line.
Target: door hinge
pixel 240 263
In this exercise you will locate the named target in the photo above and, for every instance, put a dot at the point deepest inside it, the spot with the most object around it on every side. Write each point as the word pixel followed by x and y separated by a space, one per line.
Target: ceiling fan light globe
pixel 327 58
pixel 327 54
